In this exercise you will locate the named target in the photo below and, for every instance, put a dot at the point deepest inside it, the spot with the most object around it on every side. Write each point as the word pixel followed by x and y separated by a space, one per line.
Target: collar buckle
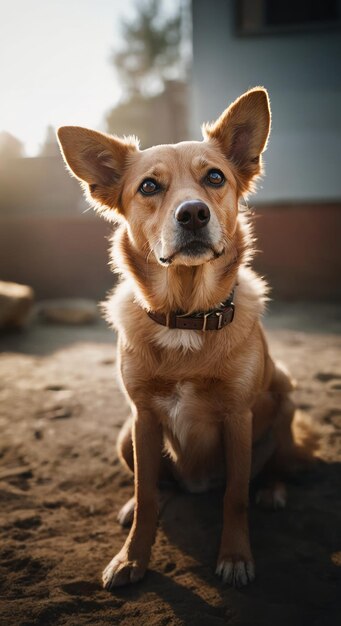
pixel 220 320
pixel 206 316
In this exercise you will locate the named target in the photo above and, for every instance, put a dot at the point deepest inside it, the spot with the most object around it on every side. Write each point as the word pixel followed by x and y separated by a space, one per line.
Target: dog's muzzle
pixel 192 236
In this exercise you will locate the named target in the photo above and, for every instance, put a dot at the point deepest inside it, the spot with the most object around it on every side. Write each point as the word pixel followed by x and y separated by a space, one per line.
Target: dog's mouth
pixel 193 249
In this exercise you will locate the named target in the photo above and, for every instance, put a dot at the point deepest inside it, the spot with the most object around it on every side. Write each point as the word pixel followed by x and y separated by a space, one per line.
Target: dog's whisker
pixel 148 255
pixel 87 210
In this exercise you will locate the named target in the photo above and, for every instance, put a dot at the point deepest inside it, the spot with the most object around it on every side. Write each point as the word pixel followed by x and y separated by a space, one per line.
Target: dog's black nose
pixel 192 214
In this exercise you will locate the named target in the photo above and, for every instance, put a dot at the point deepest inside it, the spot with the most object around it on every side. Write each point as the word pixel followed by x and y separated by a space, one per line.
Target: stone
pixel 16 303
pixel 71 311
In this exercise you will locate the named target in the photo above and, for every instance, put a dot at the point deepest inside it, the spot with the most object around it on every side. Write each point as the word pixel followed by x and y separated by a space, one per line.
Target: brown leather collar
pixel 214 319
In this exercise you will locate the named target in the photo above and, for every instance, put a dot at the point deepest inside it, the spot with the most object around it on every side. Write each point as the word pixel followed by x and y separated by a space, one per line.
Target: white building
pixel 300 65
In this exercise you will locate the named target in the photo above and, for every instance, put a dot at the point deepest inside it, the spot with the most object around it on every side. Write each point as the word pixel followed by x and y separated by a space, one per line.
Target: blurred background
pixel 158 69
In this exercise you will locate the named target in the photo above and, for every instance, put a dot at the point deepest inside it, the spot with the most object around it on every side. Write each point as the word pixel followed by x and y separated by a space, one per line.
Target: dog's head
pixel 180 201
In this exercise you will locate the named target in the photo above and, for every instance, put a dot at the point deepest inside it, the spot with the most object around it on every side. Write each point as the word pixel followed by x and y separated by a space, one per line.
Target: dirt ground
pixel 61 487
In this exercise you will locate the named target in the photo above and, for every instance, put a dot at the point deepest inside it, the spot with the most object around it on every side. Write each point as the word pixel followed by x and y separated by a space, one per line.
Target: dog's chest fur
pixel 192 433
pixel 188 417
pixel 175 339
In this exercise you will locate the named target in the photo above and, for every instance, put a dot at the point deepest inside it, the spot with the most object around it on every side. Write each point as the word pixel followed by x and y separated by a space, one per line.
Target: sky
pixel 55 64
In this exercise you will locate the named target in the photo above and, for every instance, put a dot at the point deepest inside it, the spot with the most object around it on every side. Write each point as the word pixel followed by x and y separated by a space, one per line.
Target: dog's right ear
pixel 98 160
pixel 242 132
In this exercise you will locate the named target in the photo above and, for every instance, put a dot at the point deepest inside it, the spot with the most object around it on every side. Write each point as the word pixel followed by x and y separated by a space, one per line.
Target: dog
pixel 207 401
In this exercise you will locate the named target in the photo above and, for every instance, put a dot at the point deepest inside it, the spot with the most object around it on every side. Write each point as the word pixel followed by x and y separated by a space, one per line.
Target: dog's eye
pixel 215 178
pixel 149 186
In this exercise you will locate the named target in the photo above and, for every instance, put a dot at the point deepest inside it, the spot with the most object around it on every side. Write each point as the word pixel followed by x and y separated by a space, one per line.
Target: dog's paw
pixel 235 571
pixel 274 497
pixel 122 571
pixel 126 513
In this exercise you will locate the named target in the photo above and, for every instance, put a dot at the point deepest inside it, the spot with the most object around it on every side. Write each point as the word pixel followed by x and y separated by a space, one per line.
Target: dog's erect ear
pixel 96 159
pixel 242 131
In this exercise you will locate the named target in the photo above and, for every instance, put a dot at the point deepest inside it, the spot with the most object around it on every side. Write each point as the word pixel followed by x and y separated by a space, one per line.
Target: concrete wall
pixel 47 241
pixel 302 72
pixel 49 238
pixel 39 185
pixel 67 256
pixel 300 250
pixel 57 256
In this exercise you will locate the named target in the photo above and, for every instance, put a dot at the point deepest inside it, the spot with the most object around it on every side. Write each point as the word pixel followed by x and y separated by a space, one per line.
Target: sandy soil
pixel 61 487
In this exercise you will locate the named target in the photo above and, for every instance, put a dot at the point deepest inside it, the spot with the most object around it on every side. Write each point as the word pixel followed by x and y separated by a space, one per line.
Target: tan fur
pixel 199 401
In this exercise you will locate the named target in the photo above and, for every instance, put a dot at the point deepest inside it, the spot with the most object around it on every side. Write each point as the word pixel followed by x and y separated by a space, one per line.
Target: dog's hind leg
pixel 281 386
pixel 273 493
pixel 125 445
pixel 126 455
pixel 125 515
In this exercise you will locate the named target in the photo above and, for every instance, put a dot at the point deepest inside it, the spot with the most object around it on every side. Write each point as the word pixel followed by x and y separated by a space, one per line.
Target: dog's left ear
pixel 242 132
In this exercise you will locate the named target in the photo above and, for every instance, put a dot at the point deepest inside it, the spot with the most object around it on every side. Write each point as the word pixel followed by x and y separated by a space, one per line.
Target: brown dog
pixel 203 390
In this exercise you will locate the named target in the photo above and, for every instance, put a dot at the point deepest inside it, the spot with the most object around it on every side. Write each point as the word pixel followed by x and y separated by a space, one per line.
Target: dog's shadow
pixel 295 550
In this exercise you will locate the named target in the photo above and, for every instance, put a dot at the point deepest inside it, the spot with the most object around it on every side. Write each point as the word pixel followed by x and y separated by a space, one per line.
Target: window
pixel 260 17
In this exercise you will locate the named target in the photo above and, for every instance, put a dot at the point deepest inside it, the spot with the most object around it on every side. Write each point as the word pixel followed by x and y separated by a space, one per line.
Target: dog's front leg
pixel 235 562
pixel 130 564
